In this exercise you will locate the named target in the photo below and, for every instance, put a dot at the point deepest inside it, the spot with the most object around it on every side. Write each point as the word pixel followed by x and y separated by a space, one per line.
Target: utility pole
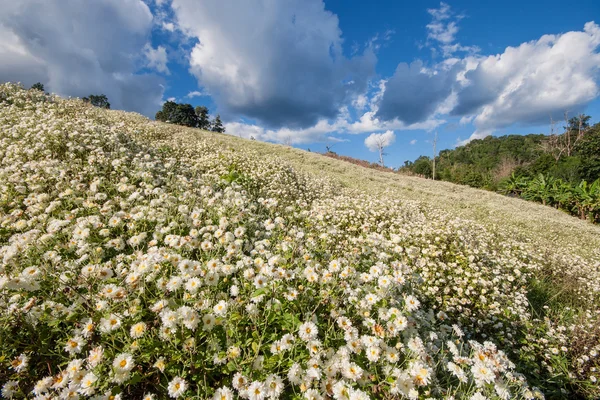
pixel 434 144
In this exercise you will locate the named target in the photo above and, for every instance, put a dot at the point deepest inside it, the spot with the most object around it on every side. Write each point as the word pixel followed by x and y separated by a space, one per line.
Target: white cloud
pixel 414 141
pixel 376 140
pixel 197 93
pixel 168 26
pixel 528 83
pixel 157 58
pixel 279 62
pixel 77 48
pixel 442 30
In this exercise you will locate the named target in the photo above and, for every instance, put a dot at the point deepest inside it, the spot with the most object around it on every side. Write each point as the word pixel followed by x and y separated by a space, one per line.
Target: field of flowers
pixel 143 260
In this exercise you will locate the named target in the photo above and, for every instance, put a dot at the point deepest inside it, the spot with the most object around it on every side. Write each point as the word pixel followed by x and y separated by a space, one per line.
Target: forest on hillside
pixel 559 170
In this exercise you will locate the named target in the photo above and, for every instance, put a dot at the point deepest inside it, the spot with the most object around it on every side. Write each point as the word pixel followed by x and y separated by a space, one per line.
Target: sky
pixel 345 74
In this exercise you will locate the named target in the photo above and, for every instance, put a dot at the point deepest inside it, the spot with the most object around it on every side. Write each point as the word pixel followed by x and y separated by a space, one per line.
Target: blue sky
pixel 313 73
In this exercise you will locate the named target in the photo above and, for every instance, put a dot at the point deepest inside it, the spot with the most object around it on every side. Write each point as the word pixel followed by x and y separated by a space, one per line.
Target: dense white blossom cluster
pixel 134 264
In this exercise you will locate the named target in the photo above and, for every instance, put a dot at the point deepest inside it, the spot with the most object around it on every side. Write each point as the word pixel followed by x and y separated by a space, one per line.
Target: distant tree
pixel 167 114
pixel 38 86
pixel 180 114
pixel 422 166
pixel 377 142
pixel 217 125
pixel 185 115
pixel 203 117
pixel 588 150
pixel 98 100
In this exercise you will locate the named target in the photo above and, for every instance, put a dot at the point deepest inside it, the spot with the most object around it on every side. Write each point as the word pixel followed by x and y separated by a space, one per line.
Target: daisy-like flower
pixel 74 345
pixel 20 363
pixel 220 308
pixel 411 303
pixel 123 363
pixel 420 373
pixel 482 374
pixel 308 331
pixel 9 389
pixel 138 330
pixel 208 322
pixel 256 391
pixel 223 393
pixel 110 324
pixel 239 381
pixel 274 385
pixel 160 364
pixel 86 387
pixel 177 387
pixel 95 356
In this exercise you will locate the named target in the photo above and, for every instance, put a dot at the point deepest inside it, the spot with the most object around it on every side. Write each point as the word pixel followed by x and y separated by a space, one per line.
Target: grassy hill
pixel 147 260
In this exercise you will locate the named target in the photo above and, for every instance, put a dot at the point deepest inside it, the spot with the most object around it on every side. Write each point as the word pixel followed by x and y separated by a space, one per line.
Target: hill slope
pixel 144 258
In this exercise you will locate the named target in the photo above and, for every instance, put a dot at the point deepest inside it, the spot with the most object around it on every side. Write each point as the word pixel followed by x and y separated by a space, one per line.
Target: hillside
pixel 487 163
pixel 147 260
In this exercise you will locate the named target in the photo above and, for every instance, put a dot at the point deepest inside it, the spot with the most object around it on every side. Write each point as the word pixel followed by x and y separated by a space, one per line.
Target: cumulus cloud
pixel 528 83
pixel 157 58
pixel 76 48
pixel 375 141
pixel 279 62
pixel 413 93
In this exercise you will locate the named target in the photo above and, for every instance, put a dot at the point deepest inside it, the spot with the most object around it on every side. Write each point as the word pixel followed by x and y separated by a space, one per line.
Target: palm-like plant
pixel 514 185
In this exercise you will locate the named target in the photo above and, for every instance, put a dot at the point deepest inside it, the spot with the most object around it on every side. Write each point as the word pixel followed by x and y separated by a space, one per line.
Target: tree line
pixel 560 169
pixel 187 115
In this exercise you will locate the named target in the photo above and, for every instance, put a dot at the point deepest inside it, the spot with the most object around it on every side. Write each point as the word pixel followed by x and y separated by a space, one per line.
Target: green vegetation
pixel 99 100
pixel 38 86
pixel 556 170
pixel 186 115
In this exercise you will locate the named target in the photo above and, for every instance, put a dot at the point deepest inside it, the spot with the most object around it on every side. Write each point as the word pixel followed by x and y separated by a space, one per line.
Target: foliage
pixel 581 200
pixel 97 100
pixel 138 260
pixel 495 163
pixel 38 86
pixel 187 115
pixel 217 125
pixel 203 117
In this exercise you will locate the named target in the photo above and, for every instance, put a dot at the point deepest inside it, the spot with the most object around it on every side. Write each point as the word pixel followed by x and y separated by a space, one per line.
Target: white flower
pixel 9 389
pixel 256 391
pixel 482 374
pixel 220 308
pixel 110 324
pixel 177 387
pixel 138 330
pixel 411 303
pixel 223 393
pixel 123 362
pixel 20 363
pixel 74 345
pixel 308 331
pixel 274 385
pixel 86 387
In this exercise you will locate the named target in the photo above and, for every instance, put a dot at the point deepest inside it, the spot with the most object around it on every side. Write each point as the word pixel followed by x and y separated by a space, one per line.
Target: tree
pixel 185 115
pixel 217 125
pixel 180 114
pixel 379 141
pixel 203 117
pixel 98 100
pixel 588 149
pixel 38 86
pixel 167 114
